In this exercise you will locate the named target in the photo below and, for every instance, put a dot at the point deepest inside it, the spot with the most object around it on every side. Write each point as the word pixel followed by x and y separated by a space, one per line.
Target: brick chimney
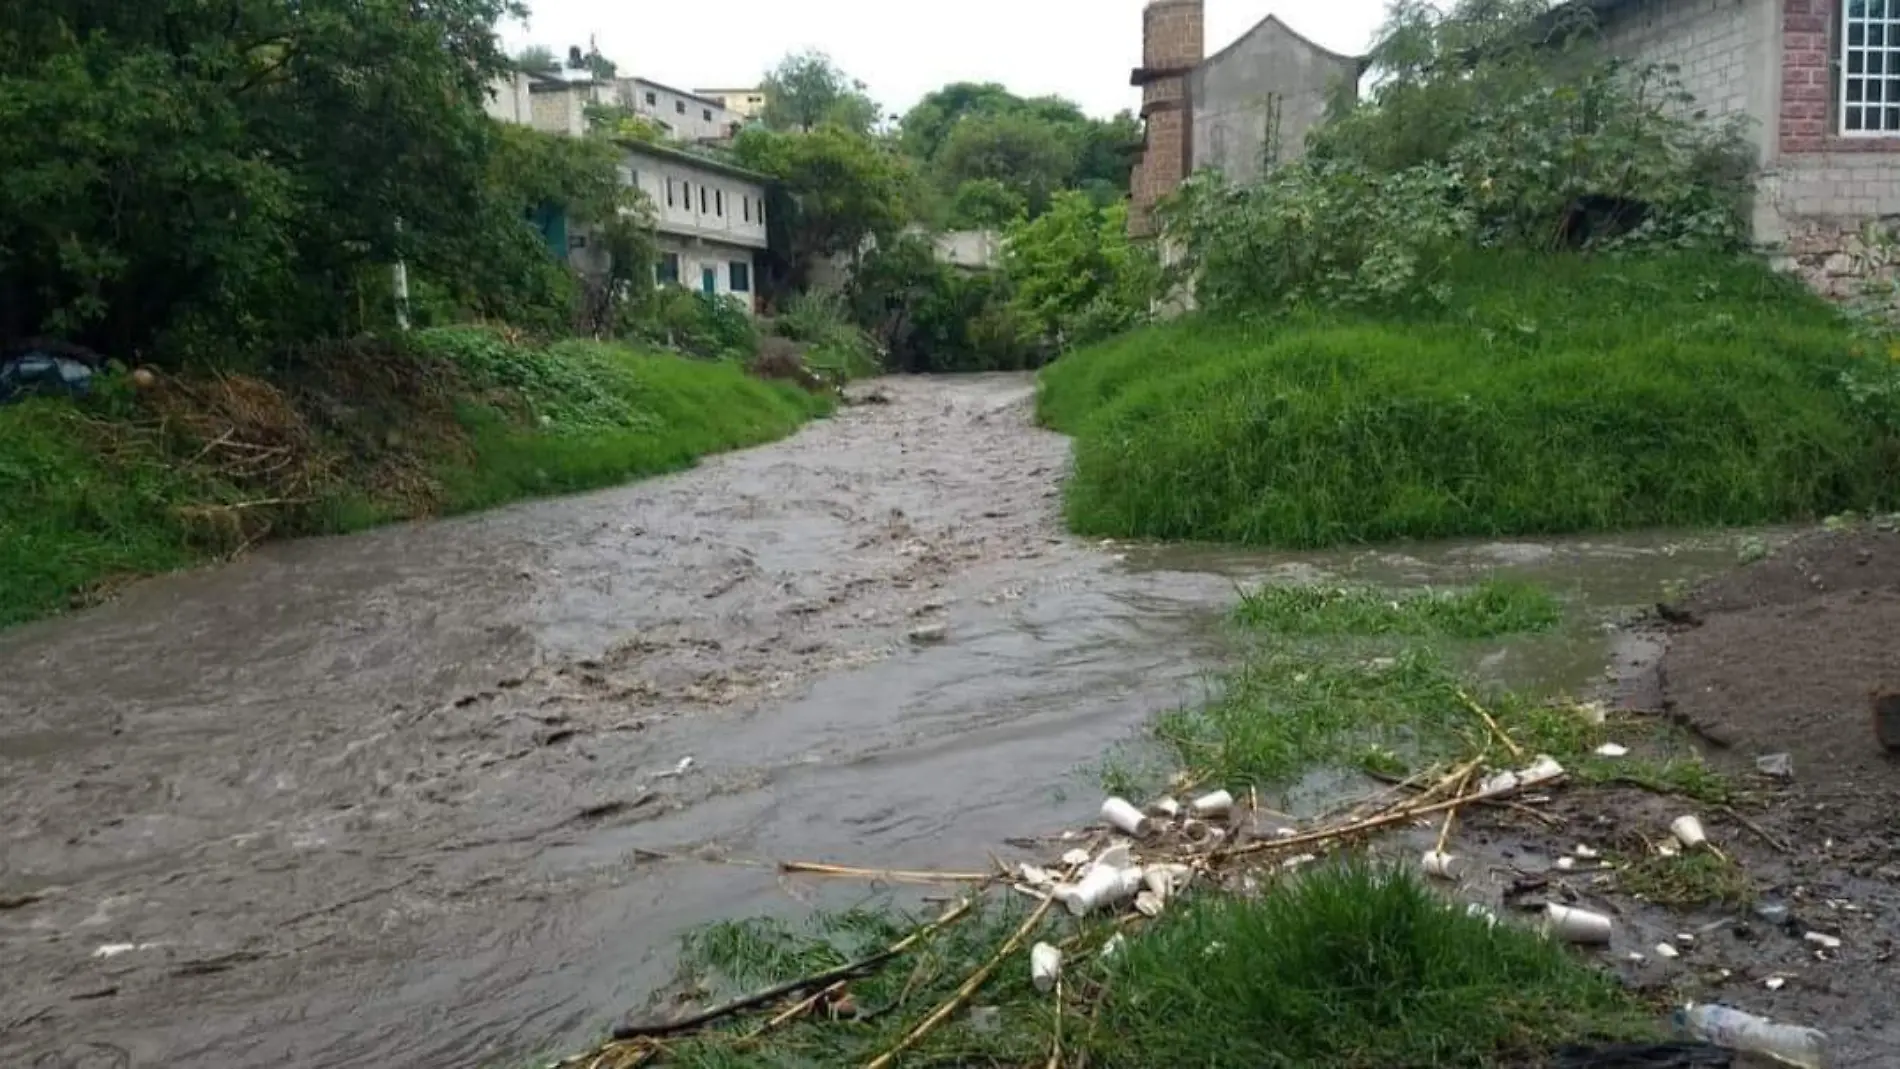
pixel 1173 43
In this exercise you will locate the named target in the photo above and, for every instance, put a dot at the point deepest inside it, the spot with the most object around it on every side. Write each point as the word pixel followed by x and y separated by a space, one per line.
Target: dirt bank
pixel 1777 657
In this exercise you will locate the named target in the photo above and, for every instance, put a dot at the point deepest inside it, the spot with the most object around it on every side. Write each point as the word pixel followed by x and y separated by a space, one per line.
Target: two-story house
pixel 683 116
pixel 709 218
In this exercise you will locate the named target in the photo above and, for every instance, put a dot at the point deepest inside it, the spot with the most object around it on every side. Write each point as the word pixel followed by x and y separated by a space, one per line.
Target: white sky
pixel 1080 49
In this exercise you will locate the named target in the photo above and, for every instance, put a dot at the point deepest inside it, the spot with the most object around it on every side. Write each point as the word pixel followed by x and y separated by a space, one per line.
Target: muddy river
pixel 415 797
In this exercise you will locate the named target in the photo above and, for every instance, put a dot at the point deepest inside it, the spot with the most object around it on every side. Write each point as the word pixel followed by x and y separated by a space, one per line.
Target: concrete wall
pixel 976 250
pixel 1271 86
pixel 695 257
pixel 510 99
pixel 559 110
pixel 685 116
pixel 698 202
pixel 745 103
pixel 1722 49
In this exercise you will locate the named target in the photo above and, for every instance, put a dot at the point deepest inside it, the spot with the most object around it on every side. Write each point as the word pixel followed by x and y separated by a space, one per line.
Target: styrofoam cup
pixel 1577 925
pixel 1542 770
pixel 1045 966
pixel 1217 804
pixel 1102 885
pixel 1165 807
pixel 1125 817
pixel 1442 865
pixel 1688 831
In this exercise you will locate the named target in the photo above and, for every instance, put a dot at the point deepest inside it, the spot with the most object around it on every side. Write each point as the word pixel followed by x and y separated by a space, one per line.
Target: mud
pixel 1779 657
pixel 409 798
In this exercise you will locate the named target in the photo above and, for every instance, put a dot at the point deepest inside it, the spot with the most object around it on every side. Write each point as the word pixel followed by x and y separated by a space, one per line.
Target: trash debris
pixel 1667 950
pixel 1775 983
pixel 1688 831
pixel 1594 713
pixel 1543 770
pixel 1567 863
pixel 1076 858
pixel 1113 946
pixel 1166 807
pixel 1823 940
pixel 1442 865
pixel 1102 885
pixel 1036 875
pixel 1475 909
pixel 1749 1034
pixel 1587 853
pixel 1612 749
pixel 1777 765
pixel 1574 925
pixel 1124 817
pixel 929 634
pixel 1149 904
pixel 1772 912
pixel 685 766
pixel 1217 804
pixel 1045 966
pixel 39 372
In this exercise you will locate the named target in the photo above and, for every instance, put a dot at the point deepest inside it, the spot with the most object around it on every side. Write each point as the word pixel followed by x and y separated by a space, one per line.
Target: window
pixel 761 213
pixel 707 112
pixel 745 205
pixel 669 268
pixel 669 192
pixel 741 276
pixel 1870 68
pixel 653 100
pixel 702 200
pixel 719 203
pixel 679 106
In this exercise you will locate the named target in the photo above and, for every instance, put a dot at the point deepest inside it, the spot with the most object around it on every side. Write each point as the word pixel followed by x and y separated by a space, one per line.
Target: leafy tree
pixel 1032 156
pixel 839 190
pixel 807 90
pixel 983 203
pixel 538 59
pixel 928 124
pixel 967 131
pixel 1075 274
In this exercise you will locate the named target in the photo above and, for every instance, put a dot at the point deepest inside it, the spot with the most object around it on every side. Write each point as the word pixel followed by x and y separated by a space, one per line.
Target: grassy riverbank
pixel 134 481
pixel 1548 395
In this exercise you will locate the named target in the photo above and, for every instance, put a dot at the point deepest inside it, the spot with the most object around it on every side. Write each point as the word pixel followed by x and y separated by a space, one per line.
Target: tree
pixel 178 176
pixel 1028 154
pixel 807 90
pixel 985 202
pixel 968 131
pixel 840 188
pixel 1075 274
pixel 538 59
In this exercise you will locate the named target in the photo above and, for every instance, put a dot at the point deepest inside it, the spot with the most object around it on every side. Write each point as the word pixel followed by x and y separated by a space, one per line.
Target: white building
pixel 709 218
pixel 684 116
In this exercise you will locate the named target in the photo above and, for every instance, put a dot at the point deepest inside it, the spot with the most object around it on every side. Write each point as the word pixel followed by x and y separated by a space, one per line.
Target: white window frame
pixel 1855 62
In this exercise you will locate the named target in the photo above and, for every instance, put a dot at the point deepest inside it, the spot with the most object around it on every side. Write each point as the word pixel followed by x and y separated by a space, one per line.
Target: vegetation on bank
pixel 338 437
pixel 1553 394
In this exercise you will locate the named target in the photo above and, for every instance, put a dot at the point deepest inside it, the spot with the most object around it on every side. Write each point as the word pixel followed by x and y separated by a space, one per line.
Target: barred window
pixel 1870 68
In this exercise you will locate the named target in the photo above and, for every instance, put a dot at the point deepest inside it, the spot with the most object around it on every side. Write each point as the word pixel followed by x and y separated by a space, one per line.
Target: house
pixel 709 218
pixel 684 116
pixel 1237 111
pixel 748 104
pixel 1819 82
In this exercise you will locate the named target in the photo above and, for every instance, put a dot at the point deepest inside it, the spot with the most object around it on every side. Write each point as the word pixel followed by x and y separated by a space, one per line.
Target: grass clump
pixel 1549 394
pixel 340 437
pixel 1491 609
pixel 1686 880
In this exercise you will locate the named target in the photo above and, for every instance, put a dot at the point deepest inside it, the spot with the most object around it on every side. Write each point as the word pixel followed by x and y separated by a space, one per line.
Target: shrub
pixel 1565 395
pixel 1074 275
pixel 696 324
pixel 822 321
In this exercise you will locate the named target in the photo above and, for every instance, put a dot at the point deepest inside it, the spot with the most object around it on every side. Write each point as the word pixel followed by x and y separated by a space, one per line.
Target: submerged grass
pixel 129 484
pixel 1347 965
pixel 1685 881
pixel 1555 394
pixel 1493 608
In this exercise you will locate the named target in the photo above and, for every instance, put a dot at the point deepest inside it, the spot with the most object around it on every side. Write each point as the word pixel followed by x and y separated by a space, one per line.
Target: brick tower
pixel 1173 43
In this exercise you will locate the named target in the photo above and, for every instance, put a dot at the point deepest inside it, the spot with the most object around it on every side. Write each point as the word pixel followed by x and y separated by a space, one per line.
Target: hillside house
pixel 748 104
pixel 709 219
pixel 1819 81
pixel 682 115
pixel 1237 111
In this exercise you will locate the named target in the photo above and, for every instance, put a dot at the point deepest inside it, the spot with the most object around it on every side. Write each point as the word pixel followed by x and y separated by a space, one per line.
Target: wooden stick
pixel 1451 815
pixel 746 1002
pixel 804 1006
pixel 968 988
pixel 1055 1047
pixel 1516 751
pixel 1372 824
pixel 818 868
pixel 1764 833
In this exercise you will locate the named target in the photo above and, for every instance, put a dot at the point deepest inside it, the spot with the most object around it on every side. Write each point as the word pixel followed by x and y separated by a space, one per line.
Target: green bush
pixel 1562 394
pixel 693 323
pixel 822 321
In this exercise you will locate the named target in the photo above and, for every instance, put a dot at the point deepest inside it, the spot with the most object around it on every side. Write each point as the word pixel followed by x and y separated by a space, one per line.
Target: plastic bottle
pixel 1734 1030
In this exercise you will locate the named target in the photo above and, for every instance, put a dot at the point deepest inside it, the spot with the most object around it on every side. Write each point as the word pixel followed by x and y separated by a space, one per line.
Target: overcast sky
pixel 1080 49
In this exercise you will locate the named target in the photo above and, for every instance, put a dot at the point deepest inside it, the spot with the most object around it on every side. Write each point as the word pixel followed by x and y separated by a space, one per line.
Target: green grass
pixel 92 494
pixel 1347 965
pixel 1686 880
pixel 1493 608
pixel 1557 394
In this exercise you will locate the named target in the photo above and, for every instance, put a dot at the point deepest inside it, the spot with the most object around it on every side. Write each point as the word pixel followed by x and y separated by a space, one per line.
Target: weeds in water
pixel 1554 394
pixel 1493 608
pixel 1686 880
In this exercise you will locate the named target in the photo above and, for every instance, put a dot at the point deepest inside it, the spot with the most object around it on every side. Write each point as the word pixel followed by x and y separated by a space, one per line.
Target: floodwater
pixel 409 797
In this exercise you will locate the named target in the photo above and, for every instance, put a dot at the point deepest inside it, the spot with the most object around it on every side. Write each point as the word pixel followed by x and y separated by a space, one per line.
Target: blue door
pixel 709 282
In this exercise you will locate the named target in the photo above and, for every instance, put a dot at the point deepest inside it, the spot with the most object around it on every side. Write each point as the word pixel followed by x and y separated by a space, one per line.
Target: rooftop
pixel 693 159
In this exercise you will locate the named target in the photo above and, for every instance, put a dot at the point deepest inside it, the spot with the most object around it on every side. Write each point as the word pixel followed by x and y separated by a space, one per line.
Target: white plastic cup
pixel 1166 880
pixel 1542 770
pixel 1103 885
pixel 1166 807
pixel 1149 904
pixel 1215 805
pixel 1688 831
pixel 1117 856
pixel 1124 817
pixel 1574 925
pixel 1442 865
pixel 1045 966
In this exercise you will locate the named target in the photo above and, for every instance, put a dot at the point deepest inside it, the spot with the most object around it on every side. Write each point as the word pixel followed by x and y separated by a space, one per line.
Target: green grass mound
pixel 1555 394
pixel 1350 966
pixel 1493 608
pixel 131 483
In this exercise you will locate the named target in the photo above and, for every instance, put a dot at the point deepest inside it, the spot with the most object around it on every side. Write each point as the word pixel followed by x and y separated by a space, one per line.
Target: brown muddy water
pixel 406 798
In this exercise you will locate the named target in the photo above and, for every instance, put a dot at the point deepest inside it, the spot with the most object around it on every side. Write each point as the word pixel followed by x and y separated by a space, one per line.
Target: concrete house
pixel 709 219
pixel 1248 105
pixel 1819 81
pixel 748 104
pixel 684 116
